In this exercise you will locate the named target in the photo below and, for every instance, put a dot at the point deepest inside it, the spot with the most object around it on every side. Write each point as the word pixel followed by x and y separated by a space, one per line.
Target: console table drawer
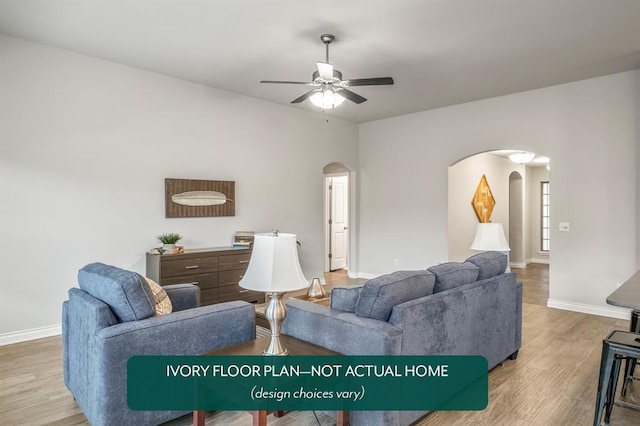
pixel 232 277
pixel 188 266
pixel 209 296
pixel 236 261
pixel 235 292
pixel 204 281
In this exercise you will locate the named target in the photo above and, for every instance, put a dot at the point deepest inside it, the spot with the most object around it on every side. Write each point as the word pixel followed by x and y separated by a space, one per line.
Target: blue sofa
pixel 111 317
pixel 465 308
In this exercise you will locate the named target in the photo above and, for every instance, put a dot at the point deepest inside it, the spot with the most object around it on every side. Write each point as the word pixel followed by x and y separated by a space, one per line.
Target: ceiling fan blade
pixel 305 96
pixel 348 94
pixel 379 81
pixel 325 70
pixel 306 83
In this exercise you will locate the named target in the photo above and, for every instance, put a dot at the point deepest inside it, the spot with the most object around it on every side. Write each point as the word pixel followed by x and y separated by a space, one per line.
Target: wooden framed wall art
pixel 483 201
pixel 199 198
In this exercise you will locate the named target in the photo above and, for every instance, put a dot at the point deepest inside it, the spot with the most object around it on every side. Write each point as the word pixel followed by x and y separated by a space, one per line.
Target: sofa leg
pixel 513 355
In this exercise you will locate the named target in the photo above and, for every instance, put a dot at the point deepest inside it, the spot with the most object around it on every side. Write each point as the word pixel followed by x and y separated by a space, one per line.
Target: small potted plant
pixel 169 241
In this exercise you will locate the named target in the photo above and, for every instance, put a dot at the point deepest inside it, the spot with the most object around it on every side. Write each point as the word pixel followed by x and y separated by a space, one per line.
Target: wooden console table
pixel 217 271
pixel 256 347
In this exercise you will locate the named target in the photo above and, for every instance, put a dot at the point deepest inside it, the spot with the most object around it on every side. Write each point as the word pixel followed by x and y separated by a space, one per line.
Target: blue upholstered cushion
pixel 380 295
pixel 127 293
pixel 345 298
pixel 452 274
pixel 491 263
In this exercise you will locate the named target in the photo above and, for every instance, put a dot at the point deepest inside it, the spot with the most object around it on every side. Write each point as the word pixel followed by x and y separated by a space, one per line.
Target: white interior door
pixel 338 222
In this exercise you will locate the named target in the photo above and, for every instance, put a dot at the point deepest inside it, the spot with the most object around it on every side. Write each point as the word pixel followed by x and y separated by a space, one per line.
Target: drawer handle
pixel 192 267
pixel 243 291
pixel 193 283
pixel 243 261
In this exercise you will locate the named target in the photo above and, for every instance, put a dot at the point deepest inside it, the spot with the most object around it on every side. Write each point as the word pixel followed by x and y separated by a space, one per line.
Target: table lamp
pixel 490 236
pixel 274 269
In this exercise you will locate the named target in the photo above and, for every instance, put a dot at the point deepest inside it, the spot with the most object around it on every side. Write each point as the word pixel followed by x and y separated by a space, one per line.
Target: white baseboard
pixel 362 275
pixel 518 265
pixel 32 334
pixel 611 312
pixel 544 260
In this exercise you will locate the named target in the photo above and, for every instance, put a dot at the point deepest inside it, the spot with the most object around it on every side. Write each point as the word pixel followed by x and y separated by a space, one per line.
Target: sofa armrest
pixel 340 331
pixel 183 296
pixel 481 318
pixel 188 332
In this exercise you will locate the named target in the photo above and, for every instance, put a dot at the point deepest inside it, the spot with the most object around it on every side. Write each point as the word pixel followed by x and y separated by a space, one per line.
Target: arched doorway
pixel 518 190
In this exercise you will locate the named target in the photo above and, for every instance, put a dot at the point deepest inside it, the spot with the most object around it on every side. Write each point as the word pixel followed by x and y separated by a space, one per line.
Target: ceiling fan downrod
pixel 327 39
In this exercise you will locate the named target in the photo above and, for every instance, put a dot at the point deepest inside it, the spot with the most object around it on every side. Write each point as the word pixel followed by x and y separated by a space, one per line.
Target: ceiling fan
pixel 330 89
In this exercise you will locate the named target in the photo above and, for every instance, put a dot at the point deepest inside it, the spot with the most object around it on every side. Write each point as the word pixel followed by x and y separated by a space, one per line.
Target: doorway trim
pixel 330 194
pixel 338 169
pixel 517 236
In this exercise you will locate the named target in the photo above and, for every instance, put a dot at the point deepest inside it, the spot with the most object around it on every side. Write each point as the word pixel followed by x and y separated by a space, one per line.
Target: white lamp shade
pixel 490 236
pixel 274 265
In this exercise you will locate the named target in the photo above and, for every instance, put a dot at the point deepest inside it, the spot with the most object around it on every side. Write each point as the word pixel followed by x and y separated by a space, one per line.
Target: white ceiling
pixel 440 52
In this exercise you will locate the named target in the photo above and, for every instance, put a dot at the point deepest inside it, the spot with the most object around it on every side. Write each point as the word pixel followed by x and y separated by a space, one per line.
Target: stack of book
pixel 243 238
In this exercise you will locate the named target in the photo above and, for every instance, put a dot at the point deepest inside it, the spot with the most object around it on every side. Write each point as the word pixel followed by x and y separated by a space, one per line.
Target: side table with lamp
pixel 274 269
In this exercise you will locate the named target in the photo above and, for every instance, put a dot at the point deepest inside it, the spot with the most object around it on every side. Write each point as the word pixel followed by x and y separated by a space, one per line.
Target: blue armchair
pixel 111 317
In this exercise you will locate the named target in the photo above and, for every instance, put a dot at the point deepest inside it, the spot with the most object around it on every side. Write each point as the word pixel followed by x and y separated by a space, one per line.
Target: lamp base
pixel 275 314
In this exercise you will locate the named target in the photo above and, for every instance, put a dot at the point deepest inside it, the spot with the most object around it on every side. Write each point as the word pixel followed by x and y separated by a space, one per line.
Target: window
pixel 544 222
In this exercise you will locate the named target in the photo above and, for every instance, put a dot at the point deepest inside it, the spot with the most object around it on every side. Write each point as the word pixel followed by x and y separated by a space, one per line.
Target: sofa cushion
pixel 491 263
pixel 127 293
pixel 452 274
pixel 160 297
pixel 380 295
pixel 345 298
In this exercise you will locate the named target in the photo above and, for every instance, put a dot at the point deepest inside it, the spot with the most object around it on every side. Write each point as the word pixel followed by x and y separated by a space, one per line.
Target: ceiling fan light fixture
pixel 330 89
pixel 522 157
pixel 326 99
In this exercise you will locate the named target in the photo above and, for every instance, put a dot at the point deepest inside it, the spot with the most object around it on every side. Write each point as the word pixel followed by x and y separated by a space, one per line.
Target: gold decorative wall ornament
pixel 199 198
pixel 483 201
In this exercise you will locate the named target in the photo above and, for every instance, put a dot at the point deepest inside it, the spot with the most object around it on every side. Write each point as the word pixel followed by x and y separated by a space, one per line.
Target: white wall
pixel 84 151
pixel 463 181
pixel 588 128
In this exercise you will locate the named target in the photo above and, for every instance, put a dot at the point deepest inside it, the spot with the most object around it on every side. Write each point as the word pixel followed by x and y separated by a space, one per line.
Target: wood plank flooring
pixel 535 283
pixel 553 381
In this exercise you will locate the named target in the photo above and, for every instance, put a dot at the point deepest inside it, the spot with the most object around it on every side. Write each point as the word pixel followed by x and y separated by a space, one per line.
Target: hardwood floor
pixel 553 381
pixel 535 283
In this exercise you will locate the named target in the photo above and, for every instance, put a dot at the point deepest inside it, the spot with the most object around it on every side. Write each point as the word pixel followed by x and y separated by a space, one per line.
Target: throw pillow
pixel 380 295
pixel 491 263
pixel 345 298
pixel 453 274
pixel 126 292
pixel 163 303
